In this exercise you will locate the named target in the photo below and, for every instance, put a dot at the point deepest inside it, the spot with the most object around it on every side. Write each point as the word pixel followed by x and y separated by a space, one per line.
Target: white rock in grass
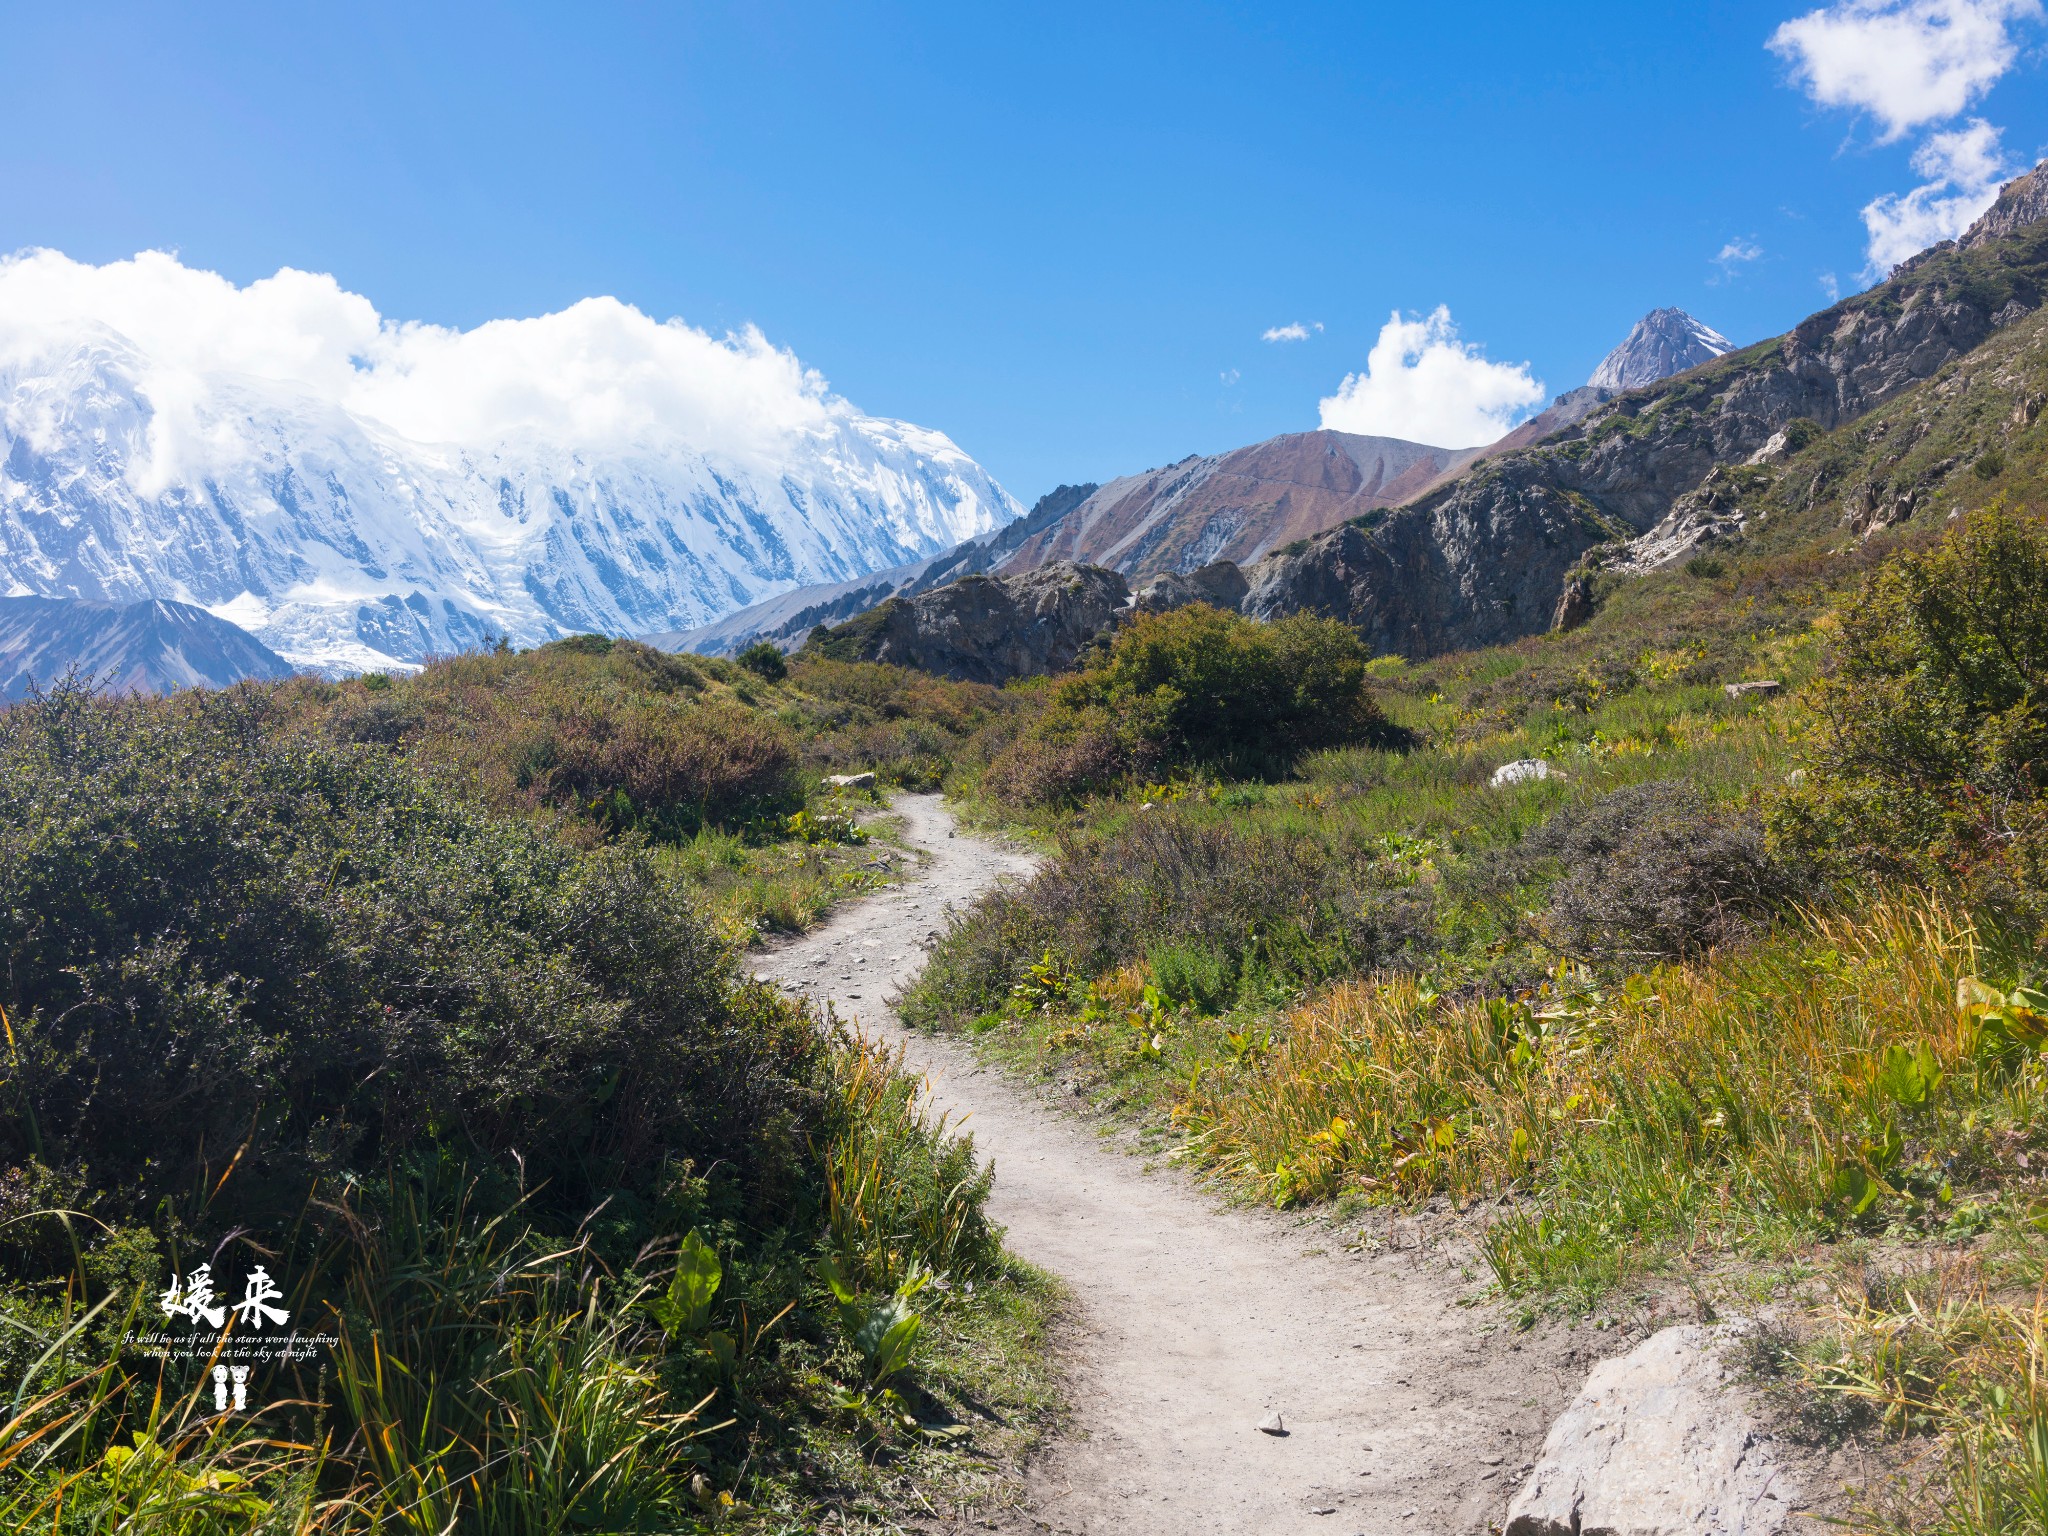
pixel 1520 771
pixel 1657 1443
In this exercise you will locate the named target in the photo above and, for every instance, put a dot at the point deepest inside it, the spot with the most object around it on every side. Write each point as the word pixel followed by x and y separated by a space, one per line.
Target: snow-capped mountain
pixel 135 469
pixel 1663 342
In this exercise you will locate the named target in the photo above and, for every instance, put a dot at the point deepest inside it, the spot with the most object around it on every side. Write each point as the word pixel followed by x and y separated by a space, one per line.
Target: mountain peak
pixel 1663 342
pixel 2021 201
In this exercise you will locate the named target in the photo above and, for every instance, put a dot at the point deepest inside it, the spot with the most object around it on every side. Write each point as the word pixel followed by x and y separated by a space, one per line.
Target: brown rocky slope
pixel 1488 557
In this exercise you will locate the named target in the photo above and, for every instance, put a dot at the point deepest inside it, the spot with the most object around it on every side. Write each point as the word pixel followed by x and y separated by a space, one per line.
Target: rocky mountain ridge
pixel 147 647
pixel 1234 507
pixel 1489 557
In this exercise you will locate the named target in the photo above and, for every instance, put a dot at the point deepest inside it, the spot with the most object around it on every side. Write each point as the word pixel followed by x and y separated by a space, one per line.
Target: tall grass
pixel 902 1191
pixel 493 1375
pixel 1941 1356
pixel 1823 1078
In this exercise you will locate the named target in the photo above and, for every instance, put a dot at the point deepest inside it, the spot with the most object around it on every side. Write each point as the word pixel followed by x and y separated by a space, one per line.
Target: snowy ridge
pixel 344 545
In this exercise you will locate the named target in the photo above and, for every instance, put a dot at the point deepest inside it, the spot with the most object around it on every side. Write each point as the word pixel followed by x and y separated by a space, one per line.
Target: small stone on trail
pixel 1273 1424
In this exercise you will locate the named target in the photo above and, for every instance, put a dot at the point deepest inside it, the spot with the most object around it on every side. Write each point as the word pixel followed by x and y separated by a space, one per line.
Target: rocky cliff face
pixel 986 629
pixel 1428 577
pixel 1481 562
pixel 1219 584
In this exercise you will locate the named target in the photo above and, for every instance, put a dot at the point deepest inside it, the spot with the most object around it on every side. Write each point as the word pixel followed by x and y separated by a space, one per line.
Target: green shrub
pixel 1197 688
pixel 1925 747
pixel 235 946
pixel 1174 886
pixel 1656 872
pixel 764 659
pixel 1202 978
pixel 613 734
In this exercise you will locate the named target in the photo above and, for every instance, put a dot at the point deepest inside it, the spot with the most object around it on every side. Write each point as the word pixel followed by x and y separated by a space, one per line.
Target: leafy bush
pixel 908 727
pixel 613 734
pixel 1656 872
pixel 235 947
pixel 764 659
pixel 1197 688
pixel 461 1084
pixel 1257 901
pixel 1926 747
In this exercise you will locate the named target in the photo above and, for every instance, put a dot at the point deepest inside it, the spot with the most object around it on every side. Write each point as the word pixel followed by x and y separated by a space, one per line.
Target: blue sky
pixel 1055 232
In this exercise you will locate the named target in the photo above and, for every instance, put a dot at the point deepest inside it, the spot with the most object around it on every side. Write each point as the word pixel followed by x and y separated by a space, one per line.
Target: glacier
pixel 151 466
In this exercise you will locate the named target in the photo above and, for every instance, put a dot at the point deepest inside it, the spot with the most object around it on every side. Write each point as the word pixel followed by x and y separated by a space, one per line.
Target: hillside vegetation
pixel 423 994
pixel 1746 997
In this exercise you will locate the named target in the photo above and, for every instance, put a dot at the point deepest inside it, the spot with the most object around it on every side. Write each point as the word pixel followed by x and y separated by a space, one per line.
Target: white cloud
pixel 1831 286
pixel 1294 331
pixel 599 375
pixel 1738 252
pixel 1905 62
pixel 1424 384
pixel 1229 376
pixel 1964 167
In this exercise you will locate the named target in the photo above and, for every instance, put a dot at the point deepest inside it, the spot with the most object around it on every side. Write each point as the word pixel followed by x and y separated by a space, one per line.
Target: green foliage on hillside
pixel 614 734
pixel 1195 688
pixel 408 990
pixel 234 944
pixel 1926 746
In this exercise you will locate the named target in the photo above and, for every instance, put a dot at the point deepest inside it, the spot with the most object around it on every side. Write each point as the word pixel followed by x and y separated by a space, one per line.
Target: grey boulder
pixel 1657 1443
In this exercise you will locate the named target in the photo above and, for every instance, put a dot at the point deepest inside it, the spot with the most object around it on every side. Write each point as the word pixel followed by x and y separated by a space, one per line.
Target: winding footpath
pixel 1192 1321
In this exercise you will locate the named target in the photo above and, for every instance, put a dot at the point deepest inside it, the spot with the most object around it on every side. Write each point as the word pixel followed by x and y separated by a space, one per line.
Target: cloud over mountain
pixel 359 490
pixel 1910 64
pixel 1964 167
pixel 1424 384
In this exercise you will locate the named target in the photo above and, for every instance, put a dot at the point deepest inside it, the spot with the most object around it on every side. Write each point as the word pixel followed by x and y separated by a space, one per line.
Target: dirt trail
pixel 1193 1321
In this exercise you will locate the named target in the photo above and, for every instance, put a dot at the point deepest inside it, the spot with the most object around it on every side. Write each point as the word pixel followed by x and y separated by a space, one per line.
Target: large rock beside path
pixel 1658 1442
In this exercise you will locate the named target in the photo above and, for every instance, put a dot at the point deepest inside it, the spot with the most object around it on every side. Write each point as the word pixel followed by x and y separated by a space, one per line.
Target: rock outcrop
pixel 986 629
pixel 1657 1443
pixel 1485 558
pixel 2021 202
pixel 1220 584
pixel 1479 563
